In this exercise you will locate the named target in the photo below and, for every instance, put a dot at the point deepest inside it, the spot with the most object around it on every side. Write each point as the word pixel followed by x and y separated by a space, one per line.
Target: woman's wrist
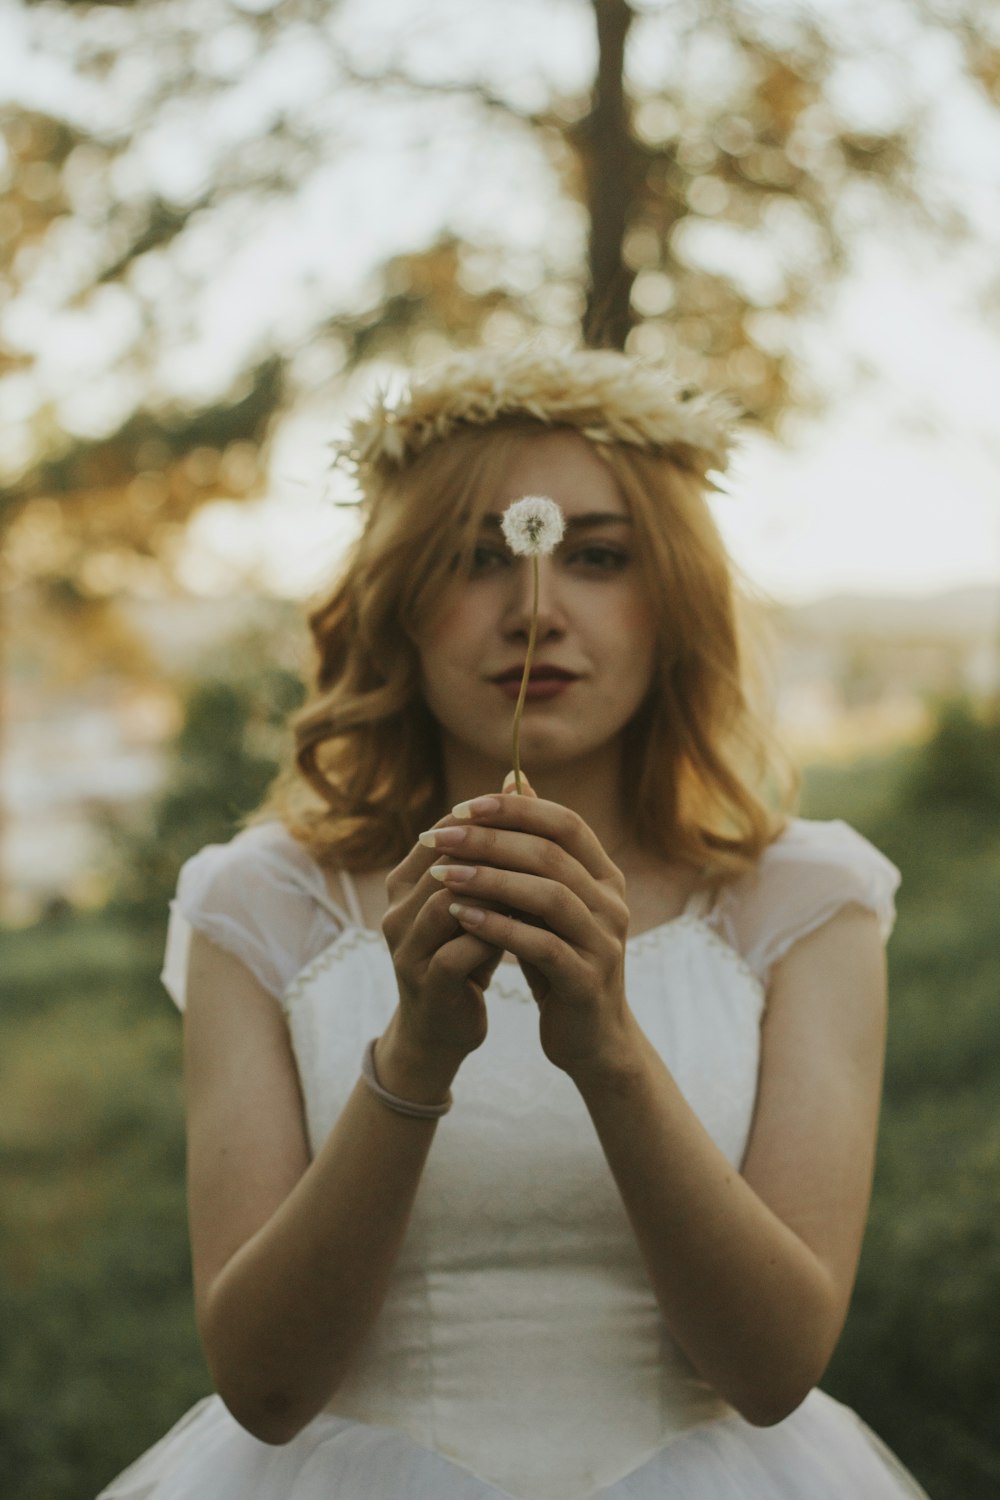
pixel 410 1071
pixel 616 1066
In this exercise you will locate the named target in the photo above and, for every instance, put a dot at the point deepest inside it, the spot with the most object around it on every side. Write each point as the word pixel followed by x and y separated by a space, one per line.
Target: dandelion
pixel 532 527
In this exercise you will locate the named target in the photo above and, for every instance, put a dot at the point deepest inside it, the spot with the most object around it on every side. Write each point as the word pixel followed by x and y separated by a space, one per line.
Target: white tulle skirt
pixel 823 1451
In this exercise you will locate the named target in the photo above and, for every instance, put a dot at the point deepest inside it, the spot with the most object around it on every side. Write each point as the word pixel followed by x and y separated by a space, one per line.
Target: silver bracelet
pixel 393 1101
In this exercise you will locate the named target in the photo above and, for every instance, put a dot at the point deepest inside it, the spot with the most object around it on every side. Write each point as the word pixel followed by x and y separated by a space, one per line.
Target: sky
pixel 896 490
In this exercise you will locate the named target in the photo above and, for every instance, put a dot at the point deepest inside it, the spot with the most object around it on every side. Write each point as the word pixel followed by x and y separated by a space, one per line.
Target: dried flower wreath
pixel 610 397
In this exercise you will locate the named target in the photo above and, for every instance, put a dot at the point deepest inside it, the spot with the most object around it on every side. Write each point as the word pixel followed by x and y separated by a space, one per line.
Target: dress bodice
pixel 520 1353
pixel 519 1303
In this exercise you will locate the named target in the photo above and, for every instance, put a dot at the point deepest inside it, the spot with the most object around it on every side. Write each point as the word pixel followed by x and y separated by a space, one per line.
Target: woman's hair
pixel 703 779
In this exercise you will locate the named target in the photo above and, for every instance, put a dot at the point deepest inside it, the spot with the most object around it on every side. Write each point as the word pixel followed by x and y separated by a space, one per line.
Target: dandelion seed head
pixel 533 524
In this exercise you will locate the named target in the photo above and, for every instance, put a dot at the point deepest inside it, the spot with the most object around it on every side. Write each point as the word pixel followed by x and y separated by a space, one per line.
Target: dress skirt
pixel 823 1451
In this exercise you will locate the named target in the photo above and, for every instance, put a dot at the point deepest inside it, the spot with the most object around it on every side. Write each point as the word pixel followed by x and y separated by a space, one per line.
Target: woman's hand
pixel 442 971
pixel 563 914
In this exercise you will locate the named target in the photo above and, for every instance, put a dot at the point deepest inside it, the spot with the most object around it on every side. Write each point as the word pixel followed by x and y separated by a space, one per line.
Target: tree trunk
pixel 609 162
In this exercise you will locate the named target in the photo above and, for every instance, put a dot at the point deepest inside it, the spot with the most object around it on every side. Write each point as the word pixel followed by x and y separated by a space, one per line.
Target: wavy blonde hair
pixel 706 781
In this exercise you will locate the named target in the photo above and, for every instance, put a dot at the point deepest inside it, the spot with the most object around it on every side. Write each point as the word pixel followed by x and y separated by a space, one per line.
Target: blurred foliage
pixel 704 191
pixel 100 1355
pixel 93 1209
pixel 927 1301
pixel 713 163
pixel 227 752
pixel 959 770
pixel 92 1144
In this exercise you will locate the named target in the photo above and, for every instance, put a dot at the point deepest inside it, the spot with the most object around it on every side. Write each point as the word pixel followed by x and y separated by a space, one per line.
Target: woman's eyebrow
pixel 574 523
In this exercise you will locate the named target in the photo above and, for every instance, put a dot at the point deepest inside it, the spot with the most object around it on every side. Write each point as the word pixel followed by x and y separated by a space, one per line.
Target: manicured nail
pixel 453 872
pixel 471 915
pixel 510 779
pixel 479 806
pixel 441 838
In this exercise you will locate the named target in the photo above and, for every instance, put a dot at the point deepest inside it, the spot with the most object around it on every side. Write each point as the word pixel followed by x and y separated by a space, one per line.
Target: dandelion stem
pixel 526 674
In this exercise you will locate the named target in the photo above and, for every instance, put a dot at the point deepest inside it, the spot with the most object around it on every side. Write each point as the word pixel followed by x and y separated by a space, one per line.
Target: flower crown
pixel 610 397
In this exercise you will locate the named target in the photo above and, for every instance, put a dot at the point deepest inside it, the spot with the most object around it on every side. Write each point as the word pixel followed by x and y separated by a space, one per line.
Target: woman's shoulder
pixel 262 897
pixel 804 877
pixel 264 853
pixel 812 844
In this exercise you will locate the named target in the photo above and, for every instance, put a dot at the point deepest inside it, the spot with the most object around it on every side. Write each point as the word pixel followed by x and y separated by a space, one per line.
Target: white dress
pixel 520 1353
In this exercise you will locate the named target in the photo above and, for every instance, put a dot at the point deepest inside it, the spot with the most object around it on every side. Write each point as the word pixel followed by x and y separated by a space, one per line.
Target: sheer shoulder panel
pixel 261 897
pixel 802 879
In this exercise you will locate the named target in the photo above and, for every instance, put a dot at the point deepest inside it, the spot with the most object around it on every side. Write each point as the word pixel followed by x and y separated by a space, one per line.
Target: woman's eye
pixel 604 559
pixel 608 559
pixel 479 553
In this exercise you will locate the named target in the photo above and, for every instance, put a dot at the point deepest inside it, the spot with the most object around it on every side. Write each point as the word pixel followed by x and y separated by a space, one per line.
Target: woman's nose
pixel 522 595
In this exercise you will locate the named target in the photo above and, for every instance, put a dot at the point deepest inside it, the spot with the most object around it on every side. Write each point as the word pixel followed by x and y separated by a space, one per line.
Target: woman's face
pixel 594 619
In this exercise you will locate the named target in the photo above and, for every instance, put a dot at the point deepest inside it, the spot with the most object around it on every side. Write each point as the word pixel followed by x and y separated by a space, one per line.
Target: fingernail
pixel 510 779
pixel 453 872
pixel 478 806
pixel 470 914
pixel 443 838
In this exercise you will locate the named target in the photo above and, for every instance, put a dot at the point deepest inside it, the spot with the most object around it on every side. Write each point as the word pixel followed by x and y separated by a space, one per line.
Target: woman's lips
pixel 542 687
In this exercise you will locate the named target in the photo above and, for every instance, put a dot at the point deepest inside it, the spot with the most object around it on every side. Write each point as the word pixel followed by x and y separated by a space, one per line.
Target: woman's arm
pixel 754 1270
pixel 291 1259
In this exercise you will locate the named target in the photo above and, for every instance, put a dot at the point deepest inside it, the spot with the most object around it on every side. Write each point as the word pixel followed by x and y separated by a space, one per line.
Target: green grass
pixel 100 1353
pixel 917 1356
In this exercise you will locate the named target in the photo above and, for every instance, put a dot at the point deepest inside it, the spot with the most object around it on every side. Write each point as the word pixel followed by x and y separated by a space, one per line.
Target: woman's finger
pixel 551 964
pixel 433 926
pixel 414 862
pixel 535 876
pixel 551 902
pixel 403 885
pixel 510 786
pixel 535 815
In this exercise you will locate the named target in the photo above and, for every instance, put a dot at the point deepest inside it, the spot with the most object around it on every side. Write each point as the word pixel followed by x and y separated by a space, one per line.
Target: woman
pixel 656 1000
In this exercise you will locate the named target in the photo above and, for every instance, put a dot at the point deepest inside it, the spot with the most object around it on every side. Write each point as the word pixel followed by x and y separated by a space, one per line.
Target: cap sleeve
pixel 805 877
pixel 262 898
